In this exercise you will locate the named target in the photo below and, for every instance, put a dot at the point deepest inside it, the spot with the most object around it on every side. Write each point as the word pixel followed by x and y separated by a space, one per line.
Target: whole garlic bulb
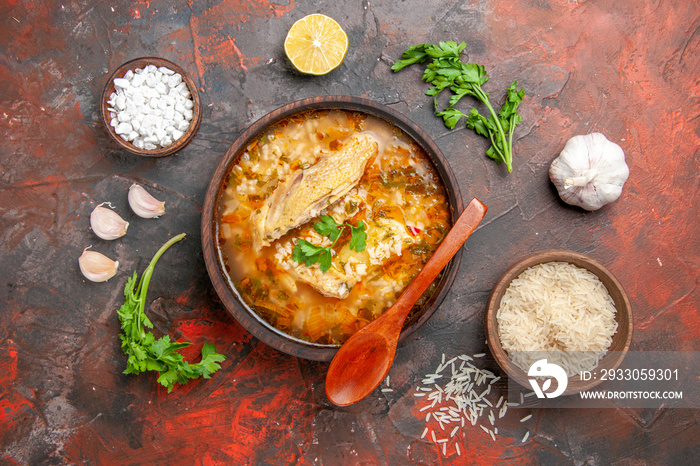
pixel 97 267
pixel 590 171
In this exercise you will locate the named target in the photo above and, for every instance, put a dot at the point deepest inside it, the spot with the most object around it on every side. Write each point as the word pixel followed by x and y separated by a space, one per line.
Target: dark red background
pixel 626 69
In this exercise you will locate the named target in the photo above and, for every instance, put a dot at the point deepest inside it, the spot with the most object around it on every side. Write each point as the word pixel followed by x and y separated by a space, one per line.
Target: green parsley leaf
pixel 307 253
pixel 448 48
pixel 326 226
pixel 451 116
pixel 472 73
pixel 358 240
pixel 325 260
pixel 168 378
pixel 310 249
pixel 210 360
pixel 508 114
pixel 479 123
pixel 414 54
pixel 298 254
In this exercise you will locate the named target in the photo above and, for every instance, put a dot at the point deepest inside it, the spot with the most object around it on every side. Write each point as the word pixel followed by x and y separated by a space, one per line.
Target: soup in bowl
pixel 318 218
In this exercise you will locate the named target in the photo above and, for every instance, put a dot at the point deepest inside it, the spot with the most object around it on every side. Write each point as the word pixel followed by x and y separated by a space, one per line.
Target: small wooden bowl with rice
pixel 525 330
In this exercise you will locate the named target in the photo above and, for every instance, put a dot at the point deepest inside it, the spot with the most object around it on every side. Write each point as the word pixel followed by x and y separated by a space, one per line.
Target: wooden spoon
pixel 364 360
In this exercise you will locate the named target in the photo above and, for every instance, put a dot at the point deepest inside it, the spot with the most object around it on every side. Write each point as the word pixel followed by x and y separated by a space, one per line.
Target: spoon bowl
pixel 364 360
pixel 365 350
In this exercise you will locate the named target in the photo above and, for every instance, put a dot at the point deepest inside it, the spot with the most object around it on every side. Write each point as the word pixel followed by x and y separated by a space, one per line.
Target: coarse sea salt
pixel 151 107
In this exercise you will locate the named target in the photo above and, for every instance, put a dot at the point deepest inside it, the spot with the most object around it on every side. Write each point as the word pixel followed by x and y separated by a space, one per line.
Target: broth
pixel 399 197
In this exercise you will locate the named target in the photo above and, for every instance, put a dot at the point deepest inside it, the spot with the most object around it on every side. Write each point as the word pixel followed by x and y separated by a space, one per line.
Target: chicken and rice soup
pixel 357 169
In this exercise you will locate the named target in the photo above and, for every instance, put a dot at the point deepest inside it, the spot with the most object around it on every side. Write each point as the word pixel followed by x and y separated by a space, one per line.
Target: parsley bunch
pixel 307 253
pixel 448 71
pixel 144 352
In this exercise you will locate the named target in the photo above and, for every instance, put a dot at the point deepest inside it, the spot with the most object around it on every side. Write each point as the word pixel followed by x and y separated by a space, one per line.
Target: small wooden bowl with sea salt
pixel 569 335
pixel 151 107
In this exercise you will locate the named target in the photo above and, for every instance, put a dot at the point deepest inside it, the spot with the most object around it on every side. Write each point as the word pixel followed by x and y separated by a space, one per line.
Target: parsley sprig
pixel 144 352
pixel 306 253
pixel 466 79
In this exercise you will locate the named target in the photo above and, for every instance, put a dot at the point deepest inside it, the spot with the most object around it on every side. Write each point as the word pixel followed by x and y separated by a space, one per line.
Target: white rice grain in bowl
pixel 562 306
pixel 557 308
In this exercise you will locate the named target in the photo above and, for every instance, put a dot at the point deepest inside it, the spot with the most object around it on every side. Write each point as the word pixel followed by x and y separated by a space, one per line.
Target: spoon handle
pixel 458 234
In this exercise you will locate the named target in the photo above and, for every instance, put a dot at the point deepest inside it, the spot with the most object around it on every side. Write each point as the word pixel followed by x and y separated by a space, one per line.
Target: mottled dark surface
pixel 627 69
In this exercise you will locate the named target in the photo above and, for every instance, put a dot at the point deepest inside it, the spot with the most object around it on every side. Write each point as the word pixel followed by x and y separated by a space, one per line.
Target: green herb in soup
pixel 326 218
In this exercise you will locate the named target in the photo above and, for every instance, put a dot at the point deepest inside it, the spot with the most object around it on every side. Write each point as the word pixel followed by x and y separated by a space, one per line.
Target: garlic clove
pixel 143 204
pixel 97 267
pixel 107 224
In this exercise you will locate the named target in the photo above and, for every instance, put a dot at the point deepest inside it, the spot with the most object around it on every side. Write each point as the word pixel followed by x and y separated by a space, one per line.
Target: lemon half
pixel 316 44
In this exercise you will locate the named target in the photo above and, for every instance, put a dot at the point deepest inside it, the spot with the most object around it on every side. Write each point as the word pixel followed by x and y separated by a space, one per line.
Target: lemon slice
pixel 316 44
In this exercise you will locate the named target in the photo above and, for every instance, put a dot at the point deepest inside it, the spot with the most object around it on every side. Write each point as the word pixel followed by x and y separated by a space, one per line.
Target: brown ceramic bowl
pixel 161 151
pixel 620 340
pixel 213 257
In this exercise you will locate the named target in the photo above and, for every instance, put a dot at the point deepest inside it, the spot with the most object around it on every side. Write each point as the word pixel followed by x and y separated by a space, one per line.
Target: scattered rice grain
pixel 454 401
